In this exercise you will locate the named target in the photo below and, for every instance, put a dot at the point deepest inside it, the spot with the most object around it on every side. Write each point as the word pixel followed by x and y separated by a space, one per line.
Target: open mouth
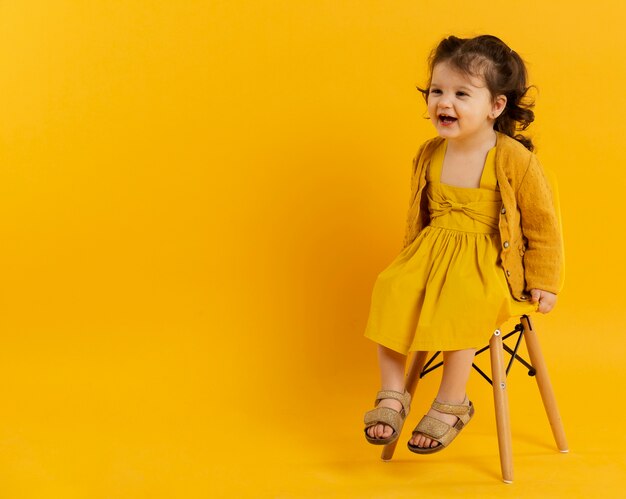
pixel 446 120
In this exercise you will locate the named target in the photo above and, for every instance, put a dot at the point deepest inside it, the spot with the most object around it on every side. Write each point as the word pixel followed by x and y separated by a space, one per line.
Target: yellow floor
pixel 340 465
pixel 129 422
pixel 145 430
pixel 313 448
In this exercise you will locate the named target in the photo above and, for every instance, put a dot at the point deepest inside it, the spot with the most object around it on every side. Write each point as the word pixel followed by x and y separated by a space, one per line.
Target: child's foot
pixel 384 423
pixel 419 440
pixel 382 430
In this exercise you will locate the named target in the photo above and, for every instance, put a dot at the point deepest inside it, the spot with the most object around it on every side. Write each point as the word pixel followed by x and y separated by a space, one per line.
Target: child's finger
pixel 545 306
pixel 535 295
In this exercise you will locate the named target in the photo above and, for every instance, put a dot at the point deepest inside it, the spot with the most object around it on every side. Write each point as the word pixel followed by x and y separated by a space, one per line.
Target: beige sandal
pixel 439 431
pixel 388 416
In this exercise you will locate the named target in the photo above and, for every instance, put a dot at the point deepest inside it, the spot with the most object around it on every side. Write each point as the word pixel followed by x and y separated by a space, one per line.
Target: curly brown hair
pixel 503 70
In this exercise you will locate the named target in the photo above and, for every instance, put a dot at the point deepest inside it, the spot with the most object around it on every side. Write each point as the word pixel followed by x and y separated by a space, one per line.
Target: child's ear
pixel 499 103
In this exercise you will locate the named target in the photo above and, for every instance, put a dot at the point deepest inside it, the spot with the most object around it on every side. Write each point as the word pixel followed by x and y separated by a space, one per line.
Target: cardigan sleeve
pixel 542 251
pixel 409 233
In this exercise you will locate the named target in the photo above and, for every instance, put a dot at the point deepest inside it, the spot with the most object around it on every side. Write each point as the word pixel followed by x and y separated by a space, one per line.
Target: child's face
pixel 460 106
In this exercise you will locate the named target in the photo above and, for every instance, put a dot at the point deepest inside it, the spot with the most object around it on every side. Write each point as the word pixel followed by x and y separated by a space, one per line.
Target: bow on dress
pixel 441 208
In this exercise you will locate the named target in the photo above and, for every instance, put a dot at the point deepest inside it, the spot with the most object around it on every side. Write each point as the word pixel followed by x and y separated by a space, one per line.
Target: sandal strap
pixel 403 398
pixel 386 416
pixel 438 430
pixel 454 409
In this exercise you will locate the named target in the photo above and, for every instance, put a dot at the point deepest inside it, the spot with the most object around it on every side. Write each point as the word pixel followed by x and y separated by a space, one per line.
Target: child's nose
pixel 445 101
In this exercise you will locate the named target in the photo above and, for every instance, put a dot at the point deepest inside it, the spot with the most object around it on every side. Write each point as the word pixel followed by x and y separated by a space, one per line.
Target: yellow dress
pixel 447 290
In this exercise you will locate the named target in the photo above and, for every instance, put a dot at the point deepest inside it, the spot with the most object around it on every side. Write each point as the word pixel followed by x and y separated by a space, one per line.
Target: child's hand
pixel 546 300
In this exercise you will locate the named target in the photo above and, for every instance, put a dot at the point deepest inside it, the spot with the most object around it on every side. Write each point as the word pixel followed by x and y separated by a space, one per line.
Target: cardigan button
pixel 523 297
pixel 503 210
pixel 506 244
pixel 508 272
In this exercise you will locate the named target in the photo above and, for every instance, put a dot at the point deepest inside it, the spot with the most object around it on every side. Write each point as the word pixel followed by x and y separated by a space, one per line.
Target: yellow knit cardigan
pixel 531 252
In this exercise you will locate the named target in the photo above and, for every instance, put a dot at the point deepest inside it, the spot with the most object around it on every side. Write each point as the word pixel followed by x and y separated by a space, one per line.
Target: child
pixel 482 240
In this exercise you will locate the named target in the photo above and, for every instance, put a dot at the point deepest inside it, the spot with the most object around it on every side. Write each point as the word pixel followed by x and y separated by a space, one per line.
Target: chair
pixel 537 368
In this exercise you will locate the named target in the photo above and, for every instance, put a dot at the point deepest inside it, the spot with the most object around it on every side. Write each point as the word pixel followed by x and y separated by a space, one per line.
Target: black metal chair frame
pixel 519 330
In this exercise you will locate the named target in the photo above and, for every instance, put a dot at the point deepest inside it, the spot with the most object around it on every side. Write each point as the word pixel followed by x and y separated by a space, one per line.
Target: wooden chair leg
pixel 544 384
pixel 412 379
pixel 501 402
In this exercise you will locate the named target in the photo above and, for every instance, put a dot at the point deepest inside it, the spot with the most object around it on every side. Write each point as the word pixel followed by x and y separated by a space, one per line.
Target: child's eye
pixel 462 94
pixel 434 91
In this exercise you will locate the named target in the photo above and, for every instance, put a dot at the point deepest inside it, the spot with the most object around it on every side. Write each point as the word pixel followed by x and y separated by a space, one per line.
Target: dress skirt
pixel 447 289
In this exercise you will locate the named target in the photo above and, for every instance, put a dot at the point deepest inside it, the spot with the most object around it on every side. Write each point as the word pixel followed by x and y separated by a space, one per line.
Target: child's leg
pixel 392 365
pixel 457 365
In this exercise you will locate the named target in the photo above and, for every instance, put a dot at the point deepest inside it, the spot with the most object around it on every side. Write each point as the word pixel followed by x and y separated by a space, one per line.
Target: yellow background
pixel 196 199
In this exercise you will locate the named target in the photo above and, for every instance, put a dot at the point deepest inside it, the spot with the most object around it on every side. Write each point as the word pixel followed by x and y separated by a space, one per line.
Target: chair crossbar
pixel 519 330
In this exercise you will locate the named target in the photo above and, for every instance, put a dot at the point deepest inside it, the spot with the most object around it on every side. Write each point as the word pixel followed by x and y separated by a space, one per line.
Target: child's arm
pixel 543 258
